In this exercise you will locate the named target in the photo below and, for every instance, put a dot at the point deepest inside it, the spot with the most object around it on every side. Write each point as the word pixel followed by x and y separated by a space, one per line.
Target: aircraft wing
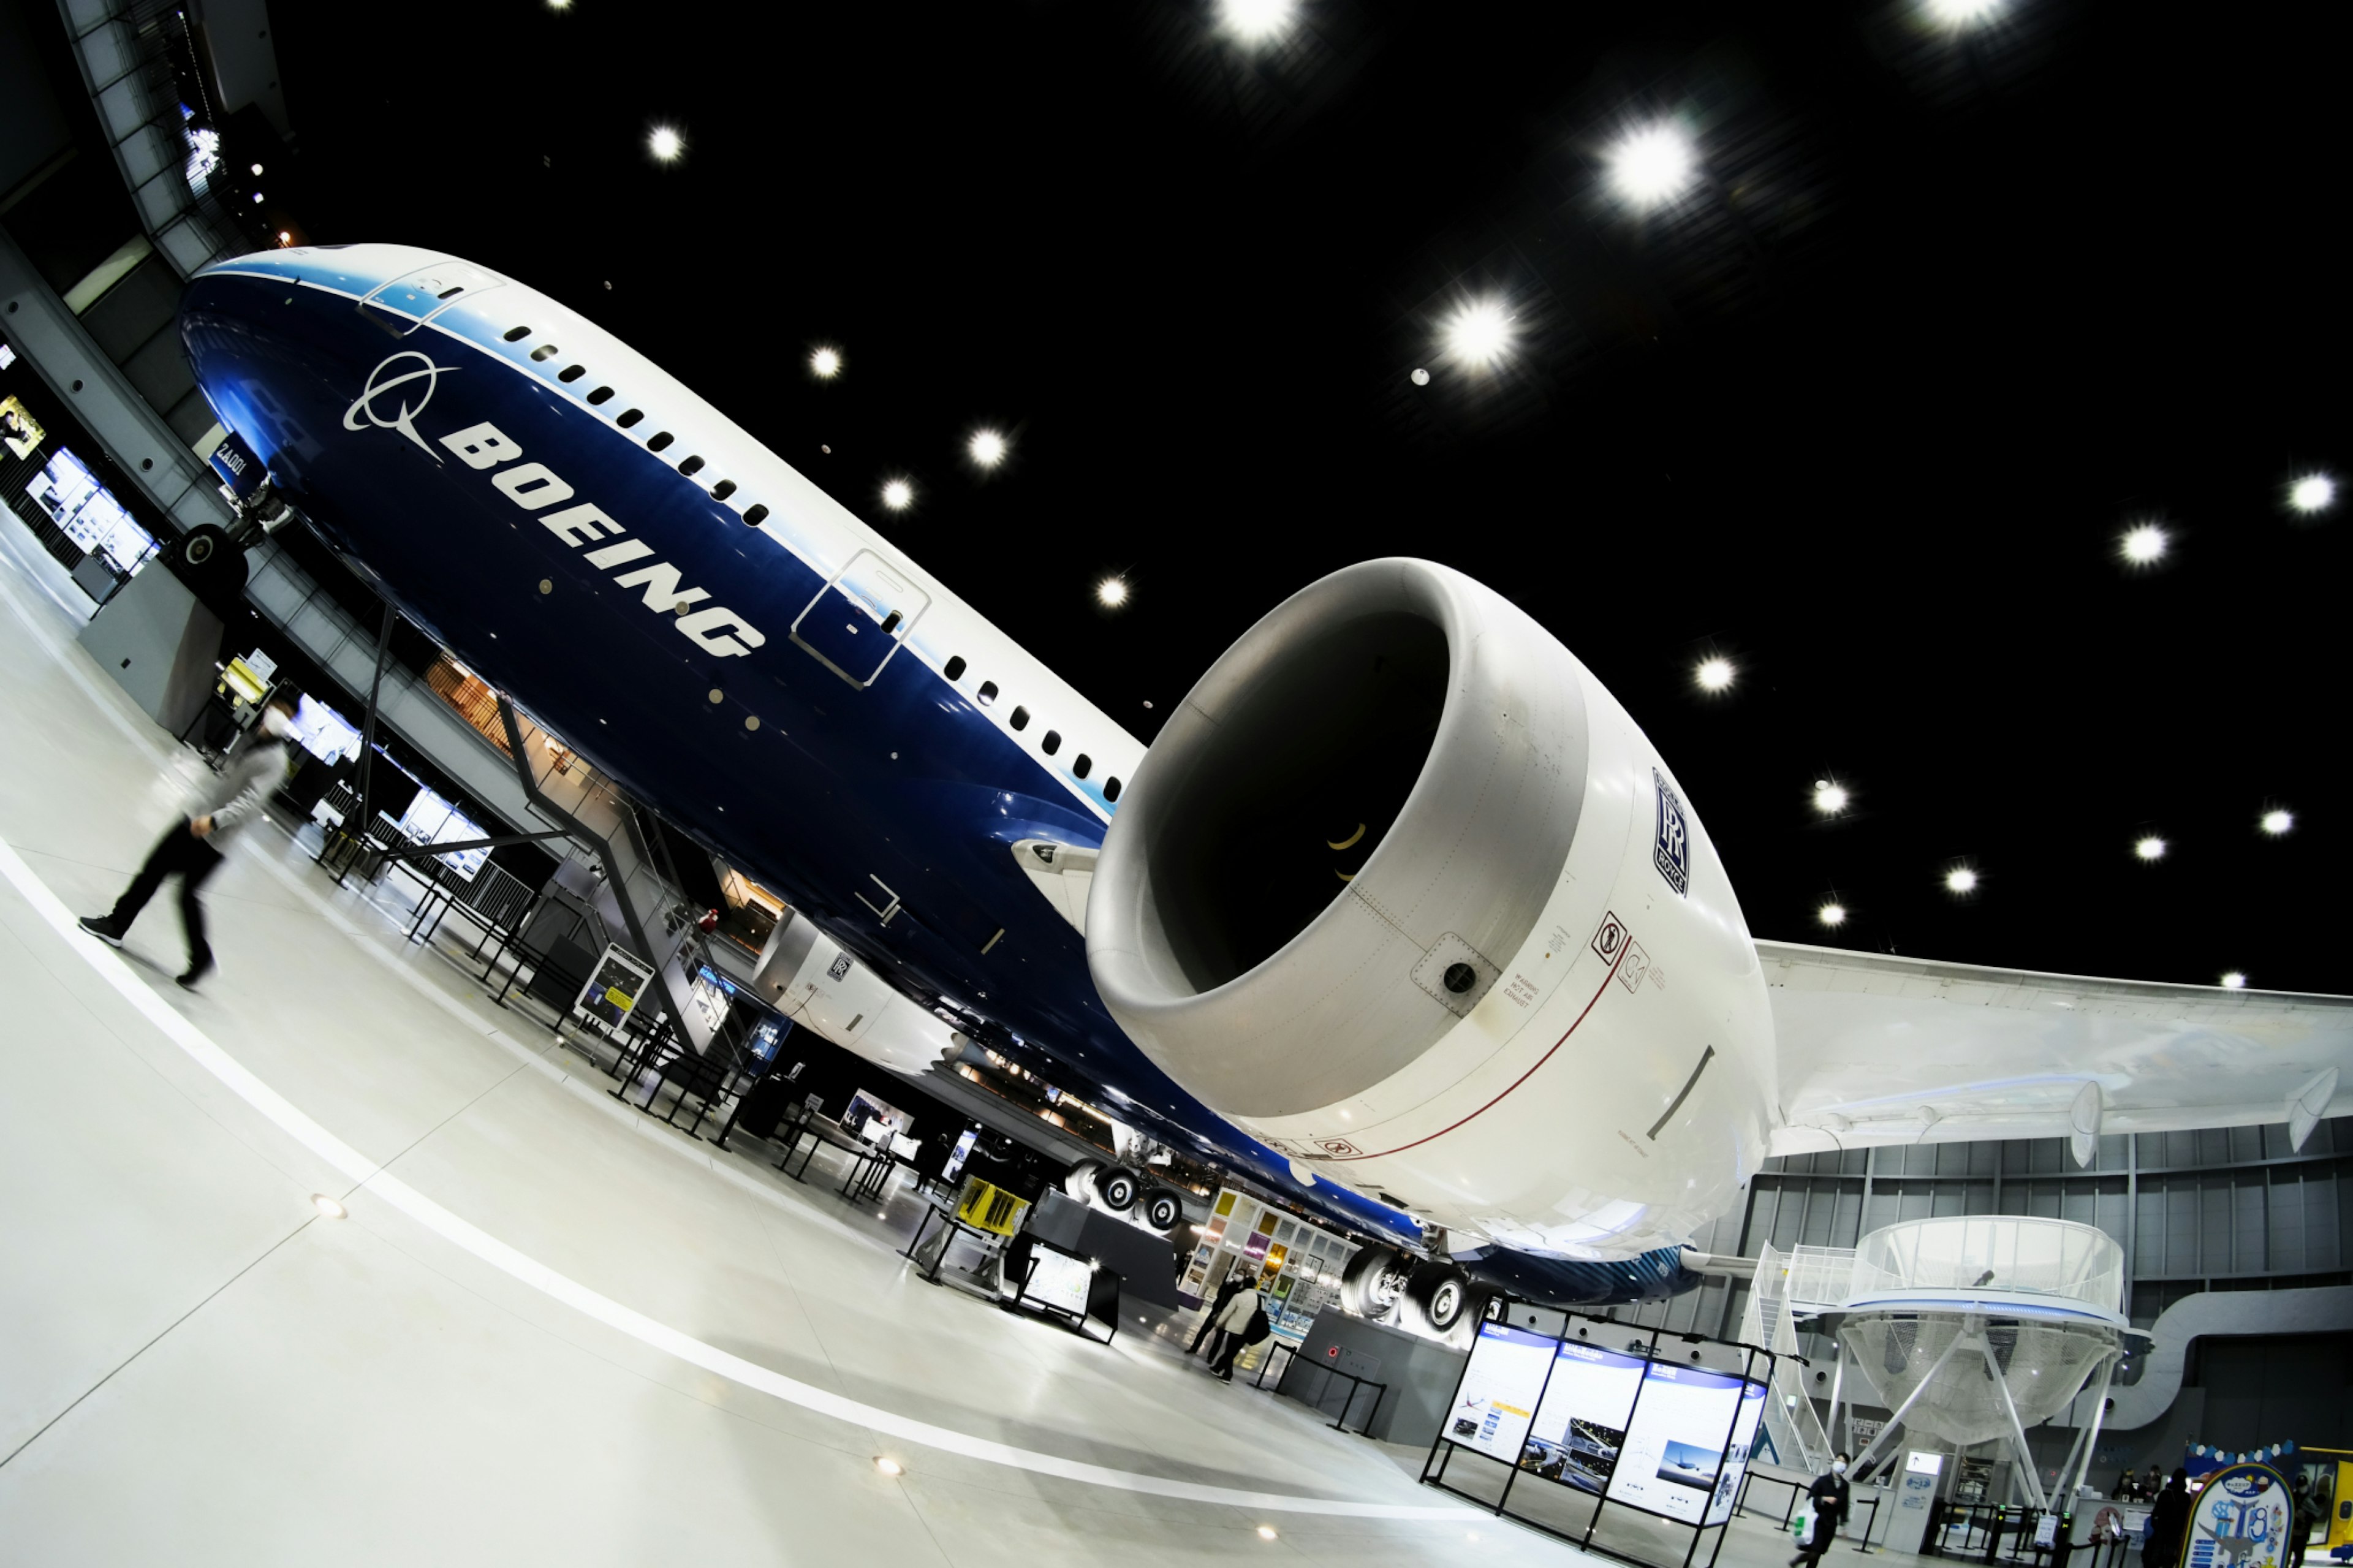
pixel 1873 1048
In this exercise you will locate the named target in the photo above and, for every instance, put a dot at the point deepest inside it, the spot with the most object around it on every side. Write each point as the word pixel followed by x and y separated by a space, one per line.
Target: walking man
pixel 191 847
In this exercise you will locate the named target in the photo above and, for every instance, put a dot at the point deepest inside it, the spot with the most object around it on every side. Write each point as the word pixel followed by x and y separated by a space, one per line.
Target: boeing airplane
pixel 1401 914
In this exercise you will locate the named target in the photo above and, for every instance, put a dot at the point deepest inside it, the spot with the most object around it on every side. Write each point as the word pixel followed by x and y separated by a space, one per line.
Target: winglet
pixel 2307 1105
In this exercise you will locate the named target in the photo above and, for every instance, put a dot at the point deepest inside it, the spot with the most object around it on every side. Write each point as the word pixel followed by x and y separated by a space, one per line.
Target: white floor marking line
pixel 366 1173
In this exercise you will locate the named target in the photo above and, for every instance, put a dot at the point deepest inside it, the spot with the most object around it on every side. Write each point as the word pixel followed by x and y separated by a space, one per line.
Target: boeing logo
pixel 379 383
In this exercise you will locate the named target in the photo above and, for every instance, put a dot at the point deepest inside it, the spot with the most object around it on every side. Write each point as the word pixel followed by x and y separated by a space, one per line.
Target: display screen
pixel 1059 1280
pixel 1735 1459
pixel 1581 1425
pixel 1500 1390
pixel 1680 1436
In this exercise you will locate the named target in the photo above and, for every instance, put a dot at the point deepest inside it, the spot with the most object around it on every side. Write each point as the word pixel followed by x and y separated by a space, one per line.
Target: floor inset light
pixel 2144 545
pixel 1479 333
pixel 1266 1533
pixel 2150 848
pixel 665 143
pixel 2234 981
pixel 1961 879
pixel 987 447
pixel 328 1207
pixel 1652 167
pixel 1713 674
pixel 888 1466
pixel 1829 798
pixel 1111 592
pixel 825 364
pixel 1256 21
pixel 898 495
pixel 2276 822
pixel 2312 493
pixel 1832 914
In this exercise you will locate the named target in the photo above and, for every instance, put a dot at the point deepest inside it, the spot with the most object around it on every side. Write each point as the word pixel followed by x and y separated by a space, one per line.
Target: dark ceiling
pixel 1867 412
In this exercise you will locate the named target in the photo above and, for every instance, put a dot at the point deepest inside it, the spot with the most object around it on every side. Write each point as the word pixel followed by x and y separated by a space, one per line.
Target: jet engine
pixel 1402 891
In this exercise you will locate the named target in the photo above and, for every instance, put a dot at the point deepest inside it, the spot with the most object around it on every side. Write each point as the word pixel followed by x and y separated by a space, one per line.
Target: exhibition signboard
pixel 1501 1387
pixel 2242 1519
pixel 1581 1425
pixel 1678 1441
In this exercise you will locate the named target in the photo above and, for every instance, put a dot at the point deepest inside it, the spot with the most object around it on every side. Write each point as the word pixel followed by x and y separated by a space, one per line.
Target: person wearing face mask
pixel 1830 1497
pixel 191 847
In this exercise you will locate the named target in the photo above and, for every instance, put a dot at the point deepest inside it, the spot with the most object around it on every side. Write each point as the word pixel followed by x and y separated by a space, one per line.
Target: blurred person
pixel 1831 1496
pixel 2168 1522
pixel 1227 1289
pixel 2304 1516
pixel 191 847
pixel 1242 1321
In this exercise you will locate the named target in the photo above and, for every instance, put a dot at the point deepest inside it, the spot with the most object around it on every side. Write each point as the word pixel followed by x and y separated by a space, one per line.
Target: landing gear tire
pixel 211 564
pixel 1116 1187
pixel 1437 1299
pixel 1079 1180
pixel 1162 1209
pixel 1374 1281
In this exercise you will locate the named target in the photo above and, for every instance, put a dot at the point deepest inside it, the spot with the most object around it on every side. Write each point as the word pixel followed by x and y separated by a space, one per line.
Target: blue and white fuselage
pixel 720 635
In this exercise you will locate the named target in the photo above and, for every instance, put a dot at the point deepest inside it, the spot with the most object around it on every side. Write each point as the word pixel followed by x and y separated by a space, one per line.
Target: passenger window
pixel 1111 789
pixel 572 373
pixel 1052 743
pixel 1020 719
pixel 722 489
pixel 517 334
pixel 755 517
pixel 954 670
pixel 692 466
pixel 1082 767
pixel 659 439
pixel 544 351
pixel 987 692
pixel 602 394
pixel 629 418
pixel 890 622
pixel 451 293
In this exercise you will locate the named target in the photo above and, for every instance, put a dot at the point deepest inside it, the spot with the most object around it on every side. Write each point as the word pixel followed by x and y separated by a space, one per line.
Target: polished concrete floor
pixel 549 1329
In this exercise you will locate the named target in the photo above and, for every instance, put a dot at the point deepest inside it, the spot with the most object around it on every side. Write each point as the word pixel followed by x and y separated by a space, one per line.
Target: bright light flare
pixel 1479 333
pixel 1961 879
pixel 2276 821
pixel 825 364
pixel 2234 981
pixel 2150 848
pixel 1963 13
pixel 1832 914
pixel 1111 592
pixel 665 143
pixel 890 1466
pixel 2144 545
pixel 1713 674
pixel 1830 797
pixel 1257 21
pixel 2312 493
pixel 1651 168
pixel 327 1206
pixel 1266 1533
pixel 987 447
pixel 898 495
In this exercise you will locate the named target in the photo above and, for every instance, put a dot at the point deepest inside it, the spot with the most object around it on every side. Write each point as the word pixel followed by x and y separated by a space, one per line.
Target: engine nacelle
pixel 1402 891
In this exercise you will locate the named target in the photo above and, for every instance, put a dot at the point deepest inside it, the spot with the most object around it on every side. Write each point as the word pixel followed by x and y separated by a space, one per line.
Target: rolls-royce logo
pixel 1671 847
pixel 402 369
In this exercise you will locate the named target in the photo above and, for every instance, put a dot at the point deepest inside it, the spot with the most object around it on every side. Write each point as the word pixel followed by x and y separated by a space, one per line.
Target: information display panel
pixel 1735 1459
pixel 1499 1391
pixel 1581 1425
pixel 1681 1433
pixel 1059 1280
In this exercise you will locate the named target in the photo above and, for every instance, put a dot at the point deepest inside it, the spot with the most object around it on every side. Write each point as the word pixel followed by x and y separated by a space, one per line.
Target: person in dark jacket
pixel 1831 1496
pixel 1233 1283
pixel 2166 1523
pixel 2306 1518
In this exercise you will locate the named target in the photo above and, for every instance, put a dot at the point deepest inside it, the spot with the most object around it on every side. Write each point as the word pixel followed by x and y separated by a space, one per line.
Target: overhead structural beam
pixel 418 851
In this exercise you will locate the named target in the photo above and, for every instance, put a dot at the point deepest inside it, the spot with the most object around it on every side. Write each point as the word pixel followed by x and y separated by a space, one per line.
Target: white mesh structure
pixel 1790 1421
pixel 1993 1252
pixel 2043 1364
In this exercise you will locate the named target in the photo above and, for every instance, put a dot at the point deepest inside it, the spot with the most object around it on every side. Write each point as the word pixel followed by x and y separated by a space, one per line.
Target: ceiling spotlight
pixel 2150 848
pixel 1111 592
pixel 898 495
pixel 257 198
pixel 888 1466
pixel 1266 1533
pixel 1962 12
pixel 2144 545
pixel 1478 334
pixel 987 449
pixel 1713 674
pixel 2234 981
pixel 1256 21
pixel 1652 167
pixel 284 237
pixel 2312 493
pixel 257 169
pixel 825 364
pixel 1832 914
pixel 1961 879
pixel 1830 799
pixel 1420 377
pixel 328 1207
pixel 666 143
pixel 2276 822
